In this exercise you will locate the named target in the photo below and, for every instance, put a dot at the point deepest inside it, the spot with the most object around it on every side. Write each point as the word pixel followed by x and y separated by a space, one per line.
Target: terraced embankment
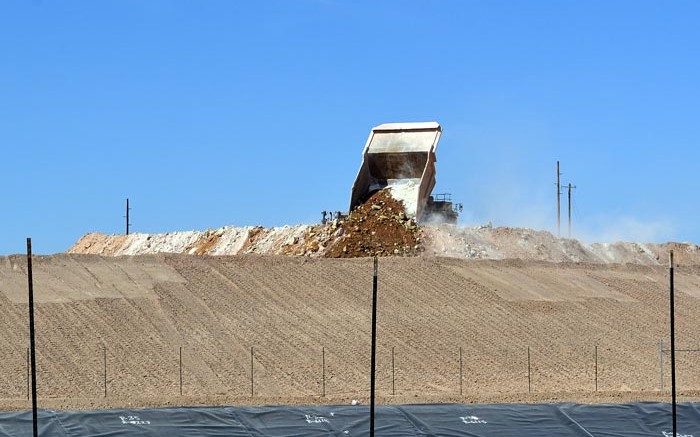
pixel 142 309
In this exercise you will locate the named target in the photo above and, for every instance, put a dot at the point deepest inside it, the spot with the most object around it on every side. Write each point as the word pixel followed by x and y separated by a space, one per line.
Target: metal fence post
pixel 180 370
pixel 32 343
pixel 373 355
pixel 529 379
pixel 29 382
pixel 251 372
pixel 393 373
pixel 661 365
pixel 104 356
pixel 460 371
pixel 596 367
pixel 323 371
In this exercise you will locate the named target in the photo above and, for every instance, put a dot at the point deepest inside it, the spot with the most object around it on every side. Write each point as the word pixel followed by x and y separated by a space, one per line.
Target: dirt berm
pixel 297 312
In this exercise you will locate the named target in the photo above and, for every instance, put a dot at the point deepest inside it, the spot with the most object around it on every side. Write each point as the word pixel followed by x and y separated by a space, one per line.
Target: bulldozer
pixel 401 157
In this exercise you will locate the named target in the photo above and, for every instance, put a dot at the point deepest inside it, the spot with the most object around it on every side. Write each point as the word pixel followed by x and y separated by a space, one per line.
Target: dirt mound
pixel 378 227
pixel 381 227
pixel 479 242
pixel 310 318
pixel 487 242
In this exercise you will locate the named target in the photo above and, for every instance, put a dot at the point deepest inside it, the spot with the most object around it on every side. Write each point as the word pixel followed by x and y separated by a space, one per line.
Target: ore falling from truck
pixel 401 157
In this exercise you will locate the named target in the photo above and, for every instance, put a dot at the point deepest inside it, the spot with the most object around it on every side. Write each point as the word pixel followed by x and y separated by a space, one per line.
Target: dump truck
pixel 401 157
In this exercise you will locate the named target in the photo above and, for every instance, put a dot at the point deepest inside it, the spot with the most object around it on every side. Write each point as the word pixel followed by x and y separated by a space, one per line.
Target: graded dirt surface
pixel 295 312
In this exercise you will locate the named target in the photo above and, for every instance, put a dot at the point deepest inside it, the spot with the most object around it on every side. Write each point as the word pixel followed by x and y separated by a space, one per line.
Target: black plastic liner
pixel 444 420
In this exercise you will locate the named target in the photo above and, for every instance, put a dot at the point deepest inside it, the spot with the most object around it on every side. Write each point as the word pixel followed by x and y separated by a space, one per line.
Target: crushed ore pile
pixel 378 227
pixel 382 227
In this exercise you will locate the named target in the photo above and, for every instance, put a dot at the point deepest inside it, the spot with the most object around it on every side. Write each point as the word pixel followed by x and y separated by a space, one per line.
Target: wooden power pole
pixel 127 216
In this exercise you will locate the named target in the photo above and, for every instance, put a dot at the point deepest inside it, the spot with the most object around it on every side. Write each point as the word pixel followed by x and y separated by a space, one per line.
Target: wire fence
pixel 333 372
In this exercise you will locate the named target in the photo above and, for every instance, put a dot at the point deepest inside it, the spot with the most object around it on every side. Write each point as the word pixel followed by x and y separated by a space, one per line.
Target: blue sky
pixel 213 113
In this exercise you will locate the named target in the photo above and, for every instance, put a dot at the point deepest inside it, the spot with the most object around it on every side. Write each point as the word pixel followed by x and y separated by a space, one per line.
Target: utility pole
pixel 558 202
pixel 127 216
pixel 570 187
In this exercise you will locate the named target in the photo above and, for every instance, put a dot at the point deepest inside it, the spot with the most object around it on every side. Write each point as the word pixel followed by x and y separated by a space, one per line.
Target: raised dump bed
pixel 400 156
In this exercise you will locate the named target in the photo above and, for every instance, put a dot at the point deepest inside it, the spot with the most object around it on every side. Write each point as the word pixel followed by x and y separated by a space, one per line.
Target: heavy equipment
pixel 401 157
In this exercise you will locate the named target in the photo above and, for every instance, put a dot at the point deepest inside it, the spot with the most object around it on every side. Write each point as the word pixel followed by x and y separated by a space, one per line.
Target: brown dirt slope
pixel 143 308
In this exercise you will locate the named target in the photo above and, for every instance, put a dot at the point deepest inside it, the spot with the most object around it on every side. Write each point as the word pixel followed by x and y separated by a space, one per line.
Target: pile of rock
pixel 378 227
pixel 313 241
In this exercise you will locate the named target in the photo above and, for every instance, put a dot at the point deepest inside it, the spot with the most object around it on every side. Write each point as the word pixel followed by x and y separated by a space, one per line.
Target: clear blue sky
pixel 213 113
